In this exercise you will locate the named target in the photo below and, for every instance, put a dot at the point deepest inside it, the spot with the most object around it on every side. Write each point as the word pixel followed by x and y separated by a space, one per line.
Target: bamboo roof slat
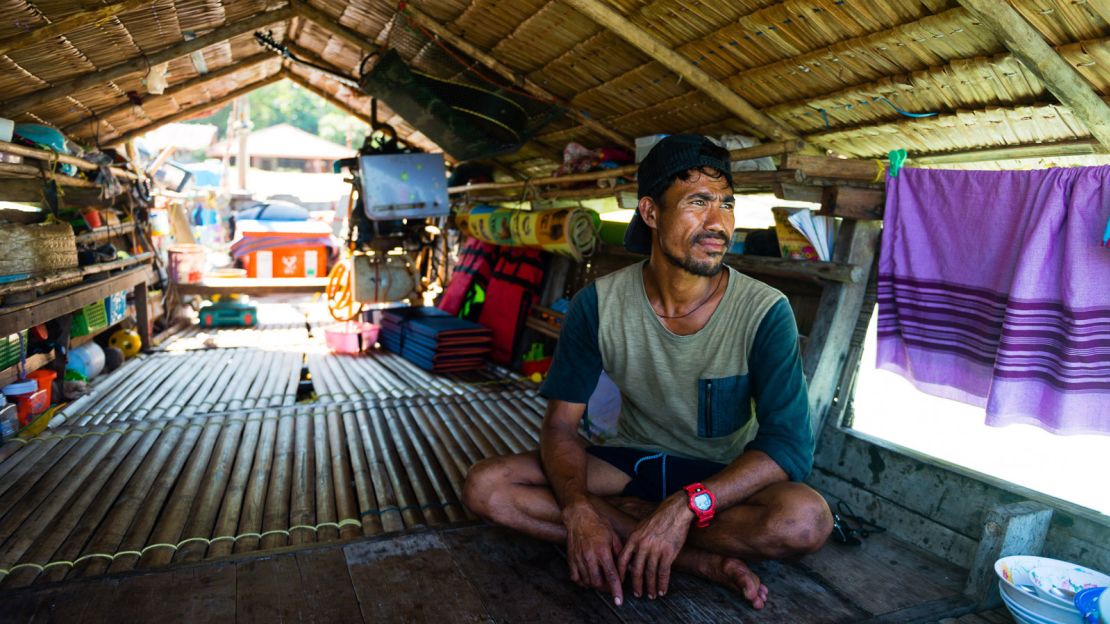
pixel 320 41
pixel 50 62
pixel 644 86
pixel 486 22
pixel 903 49
pixel 19 17
pixel 1060 21
pixel 597 61
pixel 1092 60
pixel 963 83
pixel 544 36
pixel 154 25
pixel 962 131
pixel 104 44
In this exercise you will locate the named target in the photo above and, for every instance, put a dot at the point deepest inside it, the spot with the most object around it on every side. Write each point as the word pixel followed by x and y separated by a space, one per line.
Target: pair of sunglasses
pixel 850 529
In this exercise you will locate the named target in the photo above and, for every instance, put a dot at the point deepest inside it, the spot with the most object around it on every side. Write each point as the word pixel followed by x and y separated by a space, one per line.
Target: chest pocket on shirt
pixel 724 405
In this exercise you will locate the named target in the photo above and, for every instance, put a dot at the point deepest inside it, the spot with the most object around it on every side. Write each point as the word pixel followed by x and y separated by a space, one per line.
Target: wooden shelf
pixel 48 156
pixel 765 265
pixel 77 341
pixel 55 304
pixel 104 233
pixel 541 327
pixel 73 274
pixel 35 362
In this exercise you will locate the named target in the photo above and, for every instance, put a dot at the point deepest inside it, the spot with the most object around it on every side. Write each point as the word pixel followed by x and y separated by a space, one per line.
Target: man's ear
pixel 649 211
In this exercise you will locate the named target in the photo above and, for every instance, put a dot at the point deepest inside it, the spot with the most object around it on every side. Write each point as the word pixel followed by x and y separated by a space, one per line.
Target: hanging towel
pixel 993 291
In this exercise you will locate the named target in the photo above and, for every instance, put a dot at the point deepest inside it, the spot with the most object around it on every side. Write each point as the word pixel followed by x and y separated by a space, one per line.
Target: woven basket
pixel 38 249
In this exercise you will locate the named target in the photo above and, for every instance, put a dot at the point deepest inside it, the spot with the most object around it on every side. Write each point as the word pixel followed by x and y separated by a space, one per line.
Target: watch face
pixel 703 501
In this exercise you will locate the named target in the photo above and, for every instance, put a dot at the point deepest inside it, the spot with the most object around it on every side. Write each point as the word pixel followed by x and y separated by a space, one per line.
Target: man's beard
pixel 707 268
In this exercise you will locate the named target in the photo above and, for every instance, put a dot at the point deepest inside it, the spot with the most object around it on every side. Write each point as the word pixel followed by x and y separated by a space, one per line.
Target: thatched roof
pixel 840 73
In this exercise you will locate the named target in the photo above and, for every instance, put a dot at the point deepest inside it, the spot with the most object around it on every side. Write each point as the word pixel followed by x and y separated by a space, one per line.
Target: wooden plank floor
pixel 475 573
pixel 192 485
pixel 188 455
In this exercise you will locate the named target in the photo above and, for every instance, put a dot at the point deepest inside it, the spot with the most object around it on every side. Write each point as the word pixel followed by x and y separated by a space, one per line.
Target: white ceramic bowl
pixel 1016 587
pixel 1059 581
pixel 1023 615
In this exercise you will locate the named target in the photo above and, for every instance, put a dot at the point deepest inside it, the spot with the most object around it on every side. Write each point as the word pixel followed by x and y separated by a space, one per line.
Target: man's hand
pixel 655 544
pixel 592 547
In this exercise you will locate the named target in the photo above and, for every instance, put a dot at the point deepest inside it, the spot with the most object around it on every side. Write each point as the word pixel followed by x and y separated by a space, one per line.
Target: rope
pixel 42 567
pixel 663 456
pixel 879 172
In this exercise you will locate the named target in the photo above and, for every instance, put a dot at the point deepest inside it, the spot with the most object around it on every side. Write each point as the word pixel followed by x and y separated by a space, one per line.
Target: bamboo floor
pixel 193 454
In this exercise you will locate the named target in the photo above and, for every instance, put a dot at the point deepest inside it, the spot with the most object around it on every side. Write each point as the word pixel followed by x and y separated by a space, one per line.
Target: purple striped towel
pixel 994 289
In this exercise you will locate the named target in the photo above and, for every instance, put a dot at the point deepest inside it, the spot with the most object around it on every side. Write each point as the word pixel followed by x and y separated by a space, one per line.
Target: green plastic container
pixel 89 319
pixel 10 350
pixel 612 232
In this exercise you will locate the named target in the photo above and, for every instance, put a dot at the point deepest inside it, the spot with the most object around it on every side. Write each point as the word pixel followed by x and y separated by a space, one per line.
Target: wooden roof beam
pixel 177 89
pixel 1082 147
pixel 193 110
pixel 67 24
pixel 507 73
pixel 697 77
pixel 355 39
pixel 65 88
pixel 1036 54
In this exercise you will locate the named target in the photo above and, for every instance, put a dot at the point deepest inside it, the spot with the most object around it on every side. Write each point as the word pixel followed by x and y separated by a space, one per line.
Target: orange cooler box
pixel 276 249
pixel 287 262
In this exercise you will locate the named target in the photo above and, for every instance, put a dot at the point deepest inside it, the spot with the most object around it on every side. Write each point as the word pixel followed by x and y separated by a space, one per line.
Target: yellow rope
pixel 42 567
pixel 880 172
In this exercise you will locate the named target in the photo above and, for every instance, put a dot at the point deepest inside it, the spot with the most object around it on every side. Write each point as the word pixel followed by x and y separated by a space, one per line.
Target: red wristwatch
pixel 702 503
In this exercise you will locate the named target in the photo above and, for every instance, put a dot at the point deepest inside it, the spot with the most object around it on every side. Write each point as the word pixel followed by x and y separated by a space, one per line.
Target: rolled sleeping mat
pixel 572 232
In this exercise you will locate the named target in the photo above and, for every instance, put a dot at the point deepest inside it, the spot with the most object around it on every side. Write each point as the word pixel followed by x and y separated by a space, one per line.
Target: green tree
pixel 343 129
pixel 286 102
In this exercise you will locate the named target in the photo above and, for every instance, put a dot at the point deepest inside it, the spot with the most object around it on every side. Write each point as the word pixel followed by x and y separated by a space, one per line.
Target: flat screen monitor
pixel 404 186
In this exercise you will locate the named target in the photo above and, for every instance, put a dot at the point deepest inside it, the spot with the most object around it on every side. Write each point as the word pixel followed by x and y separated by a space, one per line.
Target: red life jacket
pixel 513 288
pixel 476 260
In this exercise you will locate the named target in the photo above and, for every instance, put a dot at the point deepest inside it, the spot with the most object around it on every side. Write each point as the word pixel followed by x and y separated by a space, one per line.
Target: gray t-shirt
pixel 735 384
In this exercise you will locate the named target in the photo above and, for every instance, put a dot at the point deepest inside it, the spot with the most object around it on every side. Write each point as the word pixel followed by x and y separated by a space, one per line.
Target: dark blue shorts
pixel 655 475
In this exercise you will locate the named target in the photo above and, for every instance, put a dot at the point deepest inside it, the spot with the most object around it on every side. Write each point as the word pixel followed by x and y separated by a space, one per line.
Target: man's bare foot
pixel 733 574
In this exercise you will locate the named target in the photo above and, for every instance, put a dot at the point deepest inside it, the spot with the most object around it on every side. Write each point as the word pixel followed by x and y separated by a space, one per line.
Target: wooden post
pixel 827 347
pixel 657 50
pixel 65 88
pixel 1015 529
pixel 142 314
pixel 1029 47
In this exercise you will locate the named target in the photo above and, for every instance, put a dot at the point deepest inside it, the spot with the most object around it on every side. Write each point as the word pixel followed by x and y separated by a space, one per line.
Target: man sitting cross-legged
pixel 714 434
